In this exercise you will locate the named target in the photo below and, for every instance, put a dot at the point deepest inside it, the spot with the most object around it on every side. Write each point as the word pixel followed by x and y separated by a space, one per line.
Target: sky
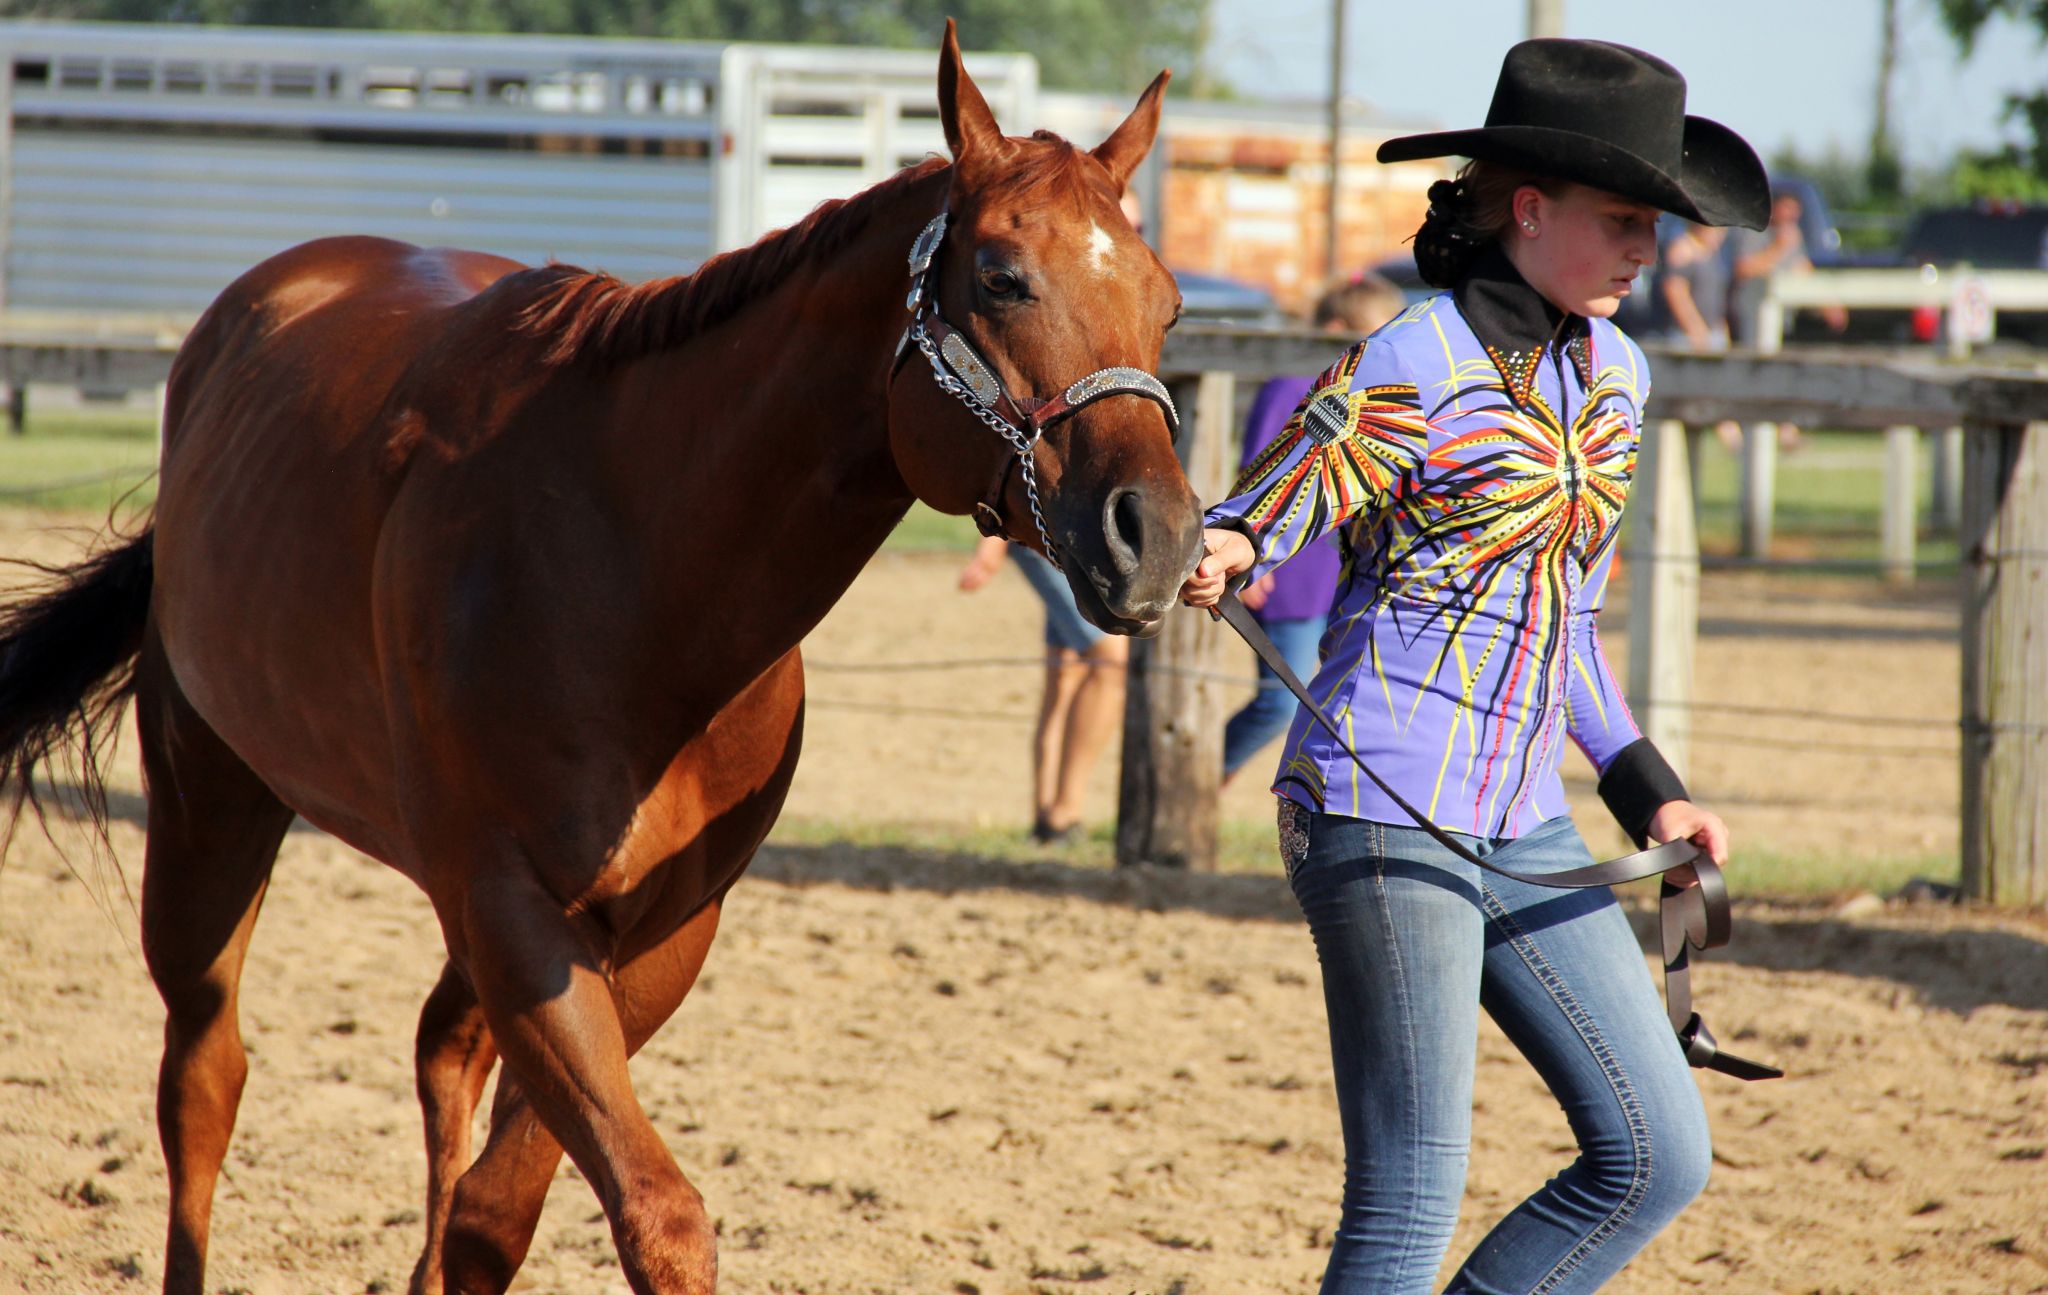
pixel 1777 71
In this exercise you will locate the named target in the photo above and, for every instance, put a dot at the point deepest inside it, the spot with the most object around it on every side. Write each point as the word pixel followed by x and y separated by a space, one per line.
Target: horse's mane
pixel 591 316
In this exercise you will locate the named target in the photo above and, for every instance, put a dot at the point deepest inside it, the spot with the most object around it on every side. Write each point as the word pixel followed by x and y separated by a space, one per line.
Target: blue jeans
pixel 1065 627
pixel 1413 942
pixel 1269 712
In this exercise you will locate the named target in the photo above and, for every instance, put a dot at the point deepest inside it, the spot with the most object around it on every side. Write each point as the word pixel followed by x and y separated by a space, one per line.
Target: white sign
pixel 1970 316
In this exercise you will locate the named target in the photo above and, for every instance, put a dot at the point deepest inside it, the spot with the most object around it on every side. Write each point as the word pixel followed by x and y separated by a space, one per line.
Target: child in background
pixel 1292 603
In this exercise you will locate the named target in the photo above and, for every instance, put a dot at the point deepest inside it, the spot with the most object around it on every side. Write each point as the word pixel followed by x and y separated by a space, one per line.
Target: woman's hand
pixel 1683 820
pixel 1224 554
pixel 981 568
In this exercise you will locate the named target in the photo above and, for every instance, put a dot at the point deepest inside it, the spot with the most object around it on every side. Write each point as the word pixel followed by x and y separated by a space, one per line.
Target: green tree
pixel 1105 45
pixel 2015 171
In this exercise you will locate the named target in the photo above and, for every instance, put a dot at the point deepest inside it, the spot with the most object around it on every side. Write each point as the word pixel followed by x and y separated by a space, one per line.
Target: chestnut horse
pixel 498 574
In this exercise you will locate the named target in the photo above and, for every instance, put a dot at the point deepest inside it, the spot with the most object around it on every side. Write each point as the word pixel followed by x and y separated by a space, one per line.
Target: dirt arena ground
pixel 911 1071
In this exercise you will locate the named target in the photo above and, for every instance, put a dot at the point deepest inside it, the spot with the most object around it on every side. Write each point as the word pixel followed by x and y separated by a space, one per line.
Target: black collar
pixel 1516 324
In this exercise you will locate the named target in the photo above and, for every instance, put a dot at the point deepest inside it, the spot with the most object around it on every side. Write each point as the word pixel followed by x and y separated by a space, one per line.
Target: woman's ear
pixel 1526 209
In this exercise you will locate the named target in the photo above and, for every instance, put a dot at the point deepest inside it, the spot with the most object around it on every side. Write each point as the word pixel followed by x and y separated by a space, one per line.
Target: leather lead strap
pixel 1690 917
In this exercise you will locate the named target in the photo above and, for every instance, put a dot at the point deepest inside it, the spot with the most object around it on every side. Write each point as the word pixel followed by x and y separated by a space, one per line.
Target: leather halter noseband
pixel 960 371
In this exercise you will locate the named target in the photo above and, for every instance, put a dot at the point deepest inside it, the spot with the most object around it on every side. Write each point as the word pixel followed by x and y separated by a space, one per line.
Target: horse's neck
pixel 798 457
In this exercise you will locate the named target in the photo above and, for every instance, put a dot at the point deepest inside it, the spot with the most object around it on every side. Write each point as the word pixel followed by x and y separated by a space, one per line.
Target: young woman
pixel 1475 454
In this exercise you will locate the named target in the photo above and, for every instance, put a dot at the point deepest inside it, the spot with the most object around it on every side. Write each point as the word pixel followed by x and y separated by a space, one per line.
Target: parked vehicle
pixel 1986 235
pixel 1214 299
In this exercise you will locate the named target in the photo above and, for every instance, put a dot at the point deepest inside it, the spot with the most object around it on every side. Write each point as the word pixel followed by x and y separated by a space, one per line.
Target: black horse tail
pixel 67 668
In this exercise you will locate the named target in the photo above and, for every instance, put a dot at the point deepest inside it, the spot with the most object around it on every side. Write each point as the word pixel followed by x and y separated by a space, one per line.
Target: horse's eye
pixel 1178 307
pixel 1001 283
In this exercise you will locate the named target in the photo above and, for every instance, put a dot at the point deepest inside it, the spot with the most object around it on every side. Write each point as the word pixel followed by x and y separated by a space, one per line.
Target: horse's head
pixel 1026 393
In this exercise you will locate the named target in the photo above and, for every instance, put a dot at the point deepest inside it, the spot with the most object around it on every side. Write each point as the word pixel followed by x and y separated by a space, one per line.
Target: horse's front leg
pixel 497 1204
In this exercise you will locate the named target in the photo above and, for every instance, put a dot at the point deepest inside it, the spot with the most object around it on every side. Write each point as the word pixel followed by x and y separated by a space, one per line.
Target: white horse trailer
pixel 143 167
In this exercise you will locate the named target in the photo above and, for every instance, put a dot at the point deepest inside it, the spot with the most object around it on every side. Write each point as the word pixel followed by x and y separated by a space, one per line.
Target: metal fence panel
pixel 161 224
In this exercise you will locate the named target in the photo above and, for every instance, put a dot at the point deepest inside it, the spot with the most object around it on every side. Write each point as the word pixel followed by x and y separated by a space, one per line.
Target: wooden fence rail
pixel 1172 764
pixel 1172 746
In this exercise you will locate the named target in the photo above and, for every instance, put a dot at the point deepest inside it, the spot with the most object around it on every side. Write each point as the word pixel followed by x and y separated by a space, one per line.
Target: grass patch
pixel 1828 505
pixel 925 530
pixel 1771 874
pixel 79 459
pixel 1806 876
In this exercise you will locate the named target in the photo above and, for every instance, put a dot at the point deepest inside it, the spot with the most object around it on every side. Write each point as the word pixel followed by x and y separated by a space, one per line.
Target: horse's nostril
pixel 1123 530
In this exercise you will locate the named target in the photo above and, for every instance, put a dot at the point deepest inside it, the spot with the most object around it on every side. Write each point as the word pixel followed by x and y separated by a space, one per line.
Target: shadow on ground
pixel 1950 963
pixel 1945 963
pixel 66 801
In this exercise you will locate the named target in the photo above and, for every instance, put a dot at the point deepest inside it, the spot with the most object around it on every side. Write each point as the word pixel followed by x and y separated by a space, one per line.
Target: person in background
pixel 1292 603
pixel 1692 289
pixel 1690 297
pixel 1082 702
pixel 1754 257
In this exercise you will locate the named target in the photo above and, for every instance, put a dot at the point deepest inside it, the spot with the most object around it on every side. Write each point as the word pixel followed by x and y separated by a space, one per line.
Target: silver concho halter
pixel 960 371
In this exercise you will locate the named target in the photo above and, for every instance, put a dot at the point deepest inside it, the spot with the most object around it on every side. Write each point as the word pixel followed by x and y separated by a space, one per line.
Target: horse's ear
pixel 970 127
pixel 1128 143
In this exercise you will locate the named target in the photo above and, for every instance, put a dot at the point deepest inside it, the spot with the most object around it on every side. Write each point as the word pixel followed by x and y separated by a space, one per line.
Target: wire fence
pixel 57 485
pixel 1246 684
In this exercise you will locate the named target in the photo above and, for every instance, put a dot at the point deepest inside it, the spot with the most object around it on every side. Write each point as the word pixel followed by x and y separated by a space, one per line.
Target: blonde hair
pixel 1361 303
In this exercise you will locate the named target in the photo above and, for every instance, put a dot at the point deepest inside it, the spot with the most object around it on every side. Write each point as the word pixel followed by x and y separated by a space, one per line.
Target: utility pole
pixel 1336 138
pixel 1546 18
pixel 1882 174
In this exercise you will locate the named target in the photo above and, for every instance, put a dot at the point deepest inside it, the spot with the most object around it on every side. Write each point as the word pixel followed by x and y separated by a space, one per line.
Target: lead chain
pixel 1024 446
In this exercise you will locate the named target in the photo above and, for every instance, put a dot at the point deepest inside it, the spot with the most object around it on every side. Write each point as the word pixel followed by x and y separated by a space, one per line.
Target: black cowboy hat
pixel 1613 118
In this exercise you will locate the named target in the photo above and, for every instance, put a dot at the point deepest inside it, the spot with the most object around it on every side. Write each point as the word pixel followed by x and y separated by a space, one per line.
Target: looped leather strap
pixel 1697 917
pixel 1691 917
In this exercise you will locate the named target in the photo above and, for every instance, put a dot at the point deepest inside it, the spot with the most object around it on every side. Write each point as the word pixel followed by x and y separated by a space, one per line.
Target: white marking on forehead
pixel 1100 246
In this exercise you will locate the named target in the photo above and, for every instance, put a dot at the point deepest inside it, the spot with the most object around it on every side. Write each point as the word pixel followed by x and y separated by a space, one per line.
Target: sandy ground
pixel 907 1071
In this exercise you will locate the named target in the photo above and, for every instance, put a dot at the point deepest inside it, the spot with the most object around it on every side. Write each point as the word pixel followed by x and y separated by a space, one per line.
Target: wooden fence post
pixel 1946 487
pixel 1173 709
pixel 2004 545
pixel 1663 592
pixel 1759 480
pixel 1695 446
pixel 1899 518
pixel 1759 486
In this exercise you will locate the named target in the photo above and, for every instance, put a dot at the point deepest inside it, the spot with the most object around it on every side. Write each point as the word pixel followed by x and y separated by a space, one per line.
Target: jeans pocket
pixel 1294 821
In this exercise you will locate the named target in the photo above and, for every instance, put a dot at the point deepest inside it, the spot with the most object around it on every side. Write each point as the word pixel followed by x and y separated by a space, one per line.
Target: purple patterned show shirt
pixel 1303 589
pixel 1475 473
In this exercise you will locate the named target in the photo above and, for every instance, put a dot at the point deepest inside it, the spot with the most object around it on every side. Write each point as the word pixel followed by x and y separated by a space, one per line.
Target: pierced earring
pixel 1529 225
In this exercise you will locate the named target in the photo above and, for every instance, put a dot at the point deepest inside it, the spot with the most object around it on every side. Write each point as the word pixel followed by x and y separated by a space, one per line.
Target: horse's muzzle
pixel 1127 575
